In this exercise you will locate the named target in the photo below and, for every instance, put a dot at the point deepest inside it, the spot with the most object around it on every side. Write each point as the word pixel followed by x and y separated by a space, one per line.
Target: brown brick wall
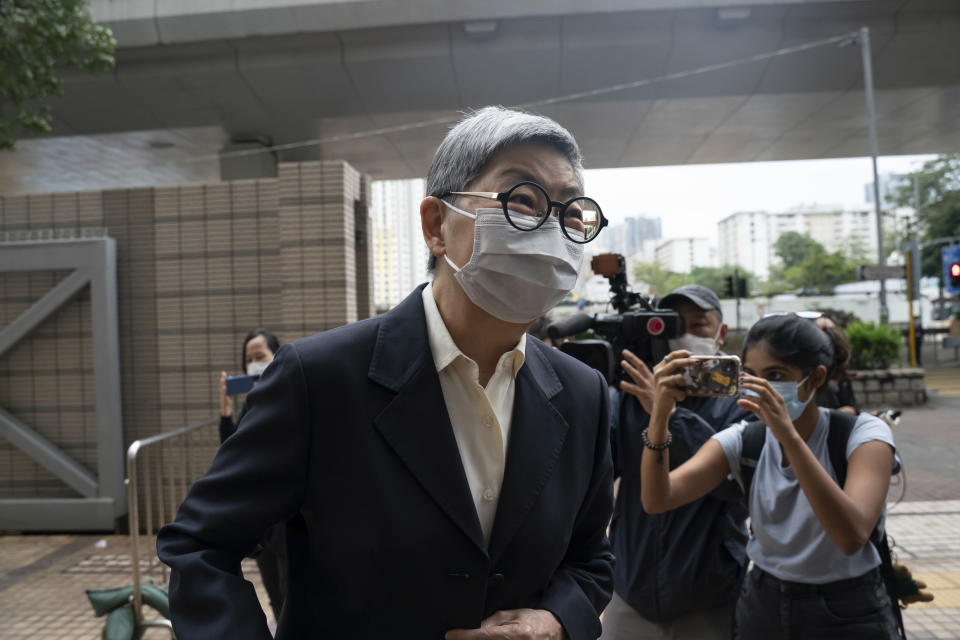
pixel 198 266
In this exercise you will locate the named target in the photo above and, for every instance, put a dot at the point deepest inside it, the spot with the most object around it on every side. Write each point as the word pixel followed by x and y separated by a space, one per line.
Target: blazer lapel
pixel 537 433
pixel 415 424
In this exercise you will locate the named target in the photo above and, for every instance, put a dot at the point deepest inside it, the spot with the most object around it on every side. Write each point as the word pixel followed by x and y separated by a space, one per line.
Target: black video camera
pixel 644 332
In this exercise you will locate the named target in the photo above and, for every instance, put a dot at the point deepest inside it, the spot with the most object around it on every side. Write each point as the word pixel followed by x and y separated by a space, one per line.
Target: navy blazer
pixel 346 438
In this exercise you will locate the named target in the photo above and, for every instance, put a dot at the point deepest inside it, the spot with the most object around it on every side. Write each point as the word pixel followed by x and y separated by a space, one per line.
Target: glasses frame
pixel 504 198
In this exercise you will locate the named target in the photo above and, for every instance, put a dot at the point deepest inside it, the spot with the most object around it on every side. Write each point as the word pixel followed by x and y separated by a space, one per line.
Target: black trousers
pixel 859 607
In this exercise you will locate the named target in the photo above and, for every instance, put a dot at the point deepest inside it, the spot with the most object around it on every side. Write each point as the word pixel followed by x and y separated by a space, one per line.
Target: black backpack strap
pixel 841 426
pixel 754 435
pixel 879 541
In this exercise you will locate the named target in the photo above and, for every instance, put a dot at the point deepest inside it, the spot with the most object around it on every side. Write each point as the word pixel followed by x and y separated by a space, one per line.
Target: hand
pixel 667 376
pixel 768 405
pixel 643 385
pixel 515 624
pixel 225 408
pixel 903 574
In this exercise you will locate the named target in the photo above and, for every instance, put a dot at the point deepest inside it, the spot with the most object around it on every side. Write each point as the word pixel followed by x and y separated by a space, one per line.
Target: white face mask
pixel 257 368
pixel 789 392
pixel 695 344
pixel 514 275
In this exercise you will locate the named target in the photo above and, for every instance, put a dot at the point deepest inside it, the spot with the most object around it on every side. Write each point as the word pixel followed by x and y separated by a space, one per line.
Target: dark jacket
pixel 346 437
pixel 690 558
pixel 226 427
pixel 271 553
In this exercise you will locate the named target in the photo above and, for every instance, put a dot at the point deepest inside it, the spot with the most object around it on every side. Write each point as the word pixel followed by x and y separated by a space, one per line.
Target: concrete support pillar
pixel 317 250
pixel 364 250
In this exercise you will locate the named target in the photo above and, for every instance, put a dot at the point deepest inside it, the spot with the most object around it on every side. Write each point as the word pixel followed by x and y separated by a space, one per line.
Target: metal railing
pixel 169 466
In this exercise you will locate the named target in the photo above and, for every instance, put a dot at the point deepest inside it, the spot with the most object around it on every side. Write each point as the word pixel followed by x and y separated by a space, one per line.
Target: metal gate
pixel 91 262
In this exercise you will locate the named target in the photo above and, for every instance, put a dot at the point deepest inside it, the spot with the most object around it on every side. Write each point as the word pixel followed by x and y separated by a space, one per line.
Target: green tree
pixel 38 40
pixel 652 278
pixel 793 248
pixel 808 266
pixel 776 283
pixel 855 248
pixel 872 346
pixel 715 277
pixel 822 272
pixel 938 215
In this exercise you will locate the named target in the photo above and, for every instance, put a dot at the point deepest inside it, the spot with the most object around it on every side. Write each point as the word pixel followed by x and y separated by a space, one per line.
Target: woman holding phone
pixel 815 572
pixel 256 354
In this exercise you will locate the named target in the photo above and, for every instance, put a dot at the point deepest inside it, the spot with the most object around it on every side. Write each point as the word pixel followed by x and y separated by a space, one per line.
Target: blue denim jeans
pixel 859 607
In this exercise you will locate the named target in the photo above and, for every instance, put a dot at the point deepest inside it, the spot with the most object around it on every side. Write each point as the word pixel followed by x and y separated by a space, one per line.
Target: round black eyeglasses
pixel 527 206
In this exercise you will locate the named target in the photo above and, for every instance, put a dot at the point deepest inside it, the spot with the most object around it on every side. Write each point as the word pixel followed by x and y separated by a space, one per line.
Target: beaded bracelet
pixel 655 447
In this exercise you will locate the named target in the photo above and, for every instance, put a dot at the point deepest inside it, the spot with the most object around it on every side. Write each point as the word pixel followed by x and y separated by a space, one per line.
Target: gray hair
pixel 469 146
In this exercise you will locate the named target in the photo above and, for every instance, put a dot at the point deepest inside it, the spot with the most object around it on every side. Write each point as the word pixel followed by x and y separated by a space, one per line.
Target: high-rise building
pixel 635 235
pixel 747 238
pixel 681 255
pixel 744 240
pixel 836 230
pixel 399 252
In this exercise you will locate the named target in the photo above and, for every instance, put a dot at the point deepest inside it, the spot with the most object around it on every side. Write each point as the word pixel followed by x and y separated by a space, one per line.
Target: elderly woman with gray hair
pixel 441 474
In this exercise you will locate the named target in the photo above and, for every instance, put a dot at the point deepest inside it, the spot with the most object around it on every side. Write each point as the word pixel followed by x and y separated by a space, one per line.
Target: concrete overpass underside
pixel 190 81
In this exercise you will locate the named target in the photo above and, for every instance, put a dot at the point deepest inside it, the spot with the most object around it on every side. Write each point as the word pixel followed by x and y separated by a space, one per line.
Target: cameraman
pixel 677 573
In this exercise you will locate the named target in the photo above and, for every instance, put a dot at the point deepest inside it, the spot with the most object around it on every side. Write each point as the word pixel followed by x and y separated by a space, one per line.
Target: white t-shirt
pixel 788 541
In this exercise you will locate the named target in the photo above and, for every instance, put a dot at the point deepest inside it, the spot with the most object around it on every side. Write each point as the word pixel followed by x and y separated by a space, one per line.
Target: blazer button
pixel 495 580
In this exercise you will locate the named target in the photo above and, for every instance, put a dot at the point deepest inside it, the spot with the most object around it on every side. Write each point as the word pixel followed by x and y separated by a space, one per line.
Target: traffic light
pixel 728 286
pixel 742 288
pixel 951 269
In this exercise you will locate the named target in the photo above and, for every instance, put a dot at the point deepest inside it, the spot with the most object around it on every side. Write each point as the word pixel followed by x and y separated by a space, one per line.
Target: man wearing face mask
pixel 678 573
pixel 441 474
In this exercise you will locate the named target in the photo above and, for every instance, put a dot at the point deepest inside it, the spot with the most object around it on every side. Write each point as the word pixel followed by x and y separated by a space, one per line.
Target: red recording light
pixel 655 326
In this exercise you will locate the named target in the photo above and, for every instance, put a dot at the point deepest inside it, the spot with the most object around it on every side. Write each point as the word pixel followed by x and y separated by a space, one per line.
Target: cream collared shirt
pixel 480 416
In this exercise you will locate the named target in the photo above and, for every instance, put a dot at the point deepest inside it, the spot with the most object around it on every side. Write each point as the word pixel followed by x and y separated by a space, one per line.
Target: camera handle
pixel 569 326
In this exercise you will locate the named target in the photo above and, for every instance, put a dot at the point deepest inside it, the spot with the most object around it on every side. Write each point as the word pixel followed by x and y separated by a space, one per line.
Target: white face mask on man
pixel 696 345
pixel 513 275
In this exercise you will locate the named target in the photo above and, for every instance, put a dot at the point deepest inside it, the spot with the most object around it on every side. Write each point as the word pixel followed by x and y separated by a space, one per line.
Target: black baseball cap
pixel 698 294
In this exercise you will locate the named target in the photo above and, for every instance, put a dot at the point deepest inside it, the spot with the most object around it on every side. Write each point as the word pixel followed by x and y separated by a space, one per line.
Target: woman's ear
pixel 819 376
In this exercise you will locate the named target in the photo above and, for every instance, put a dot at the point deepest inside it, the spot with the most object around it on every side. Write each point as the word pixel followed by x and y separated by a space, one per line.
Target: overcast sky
pixel 691 199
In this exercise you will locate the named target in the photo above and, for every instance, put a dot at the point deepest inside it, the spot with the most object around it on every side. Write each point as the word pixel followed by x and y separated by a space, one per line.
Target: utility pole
pixel 872 124
pixel 912 235
pixel 912 329
pixel 736 288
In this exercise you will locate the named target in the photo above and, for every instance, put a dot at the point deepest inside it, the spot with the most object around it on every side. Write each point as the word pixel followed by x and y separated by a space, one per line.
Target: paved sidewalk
pixel 42 578
pixel 943 381
pixel 926 535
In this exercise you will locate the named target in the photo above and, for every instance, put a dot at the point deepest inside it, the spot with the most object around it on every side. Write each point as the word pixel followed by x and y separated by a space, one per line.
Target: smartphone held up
pixel 237 385
pixel 712 377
